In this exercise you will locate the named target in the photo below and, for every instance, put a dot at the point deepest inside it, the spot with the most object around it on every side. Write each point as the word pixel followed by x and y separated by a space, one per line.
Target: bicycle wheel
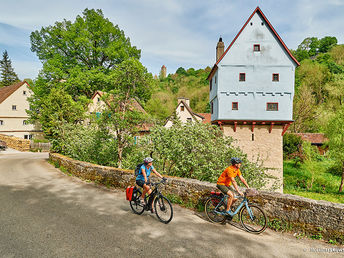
pixel 210 206
pixel 135 203
pixel 163 209
pixel 253 220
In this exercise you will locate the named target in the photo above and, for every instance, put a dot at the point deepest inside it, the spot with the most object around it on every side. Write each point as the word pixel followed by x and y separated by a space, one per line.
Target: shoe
pixel 230 213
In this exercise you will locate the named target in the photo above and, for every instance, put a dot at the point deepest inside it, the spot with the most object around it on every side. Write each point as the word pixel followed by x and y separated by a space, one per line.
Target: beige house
pixel 185 114
pixel 97 105
pixel 13 116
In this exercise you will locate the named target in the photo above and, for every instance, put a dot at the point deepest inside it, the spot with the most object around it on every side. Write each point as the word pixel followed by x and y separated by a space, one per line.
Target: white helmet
pixel 148 160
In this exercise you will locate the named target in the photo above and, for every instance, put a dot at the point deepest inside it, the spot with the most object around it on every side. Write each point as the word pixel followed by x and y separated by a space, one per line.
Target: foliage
pixel 189 83
pixel 194 150
pixel 291 144
pixel 57 109
pixel 335 133
pixel 8 76
pixel 325 182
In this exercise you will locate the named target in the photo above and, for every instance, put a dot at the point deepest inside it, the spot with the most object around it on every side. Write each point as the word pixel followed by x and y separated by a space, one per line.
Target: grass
pixel 298 178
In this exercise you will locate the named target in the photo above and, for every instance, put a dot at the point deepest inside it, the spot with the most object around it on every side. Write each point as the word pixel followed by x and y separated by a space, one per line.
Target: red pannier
pixel 216 193
pixel 129 192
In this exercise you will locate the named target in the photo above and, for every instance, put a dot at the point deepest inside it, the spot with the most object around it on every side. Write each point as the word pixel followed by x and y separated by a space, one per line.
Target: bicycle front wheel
pixel 135 203
pixel 210 206
pixel 163 209
pixel 253 219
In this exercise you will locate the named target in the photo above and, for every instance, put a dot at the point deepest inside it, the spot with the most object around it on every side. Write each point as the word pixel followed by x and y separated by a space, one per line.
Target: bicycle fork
pixel 252 217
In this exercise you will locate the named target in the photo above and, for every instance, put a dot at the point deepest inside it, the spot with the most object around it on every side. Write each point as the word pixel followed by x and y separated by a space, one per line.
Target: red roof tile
pixel 313 137
pixel 207 118
pixel 7 91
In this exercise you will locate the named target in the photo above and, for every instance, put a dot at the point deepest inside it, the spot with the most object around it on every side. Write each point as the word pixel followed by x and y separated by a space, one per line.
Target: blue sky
pixel 173 33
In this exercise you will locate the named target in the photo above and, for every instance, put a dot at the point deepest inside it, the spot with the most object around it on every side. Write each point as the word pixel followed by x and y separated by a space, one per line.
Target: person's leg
pixel 230 199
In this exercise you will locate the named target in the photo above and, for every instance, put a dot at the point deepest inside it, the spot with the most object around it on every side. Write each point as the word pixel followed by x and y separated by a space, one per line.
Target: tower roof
pixel 257 10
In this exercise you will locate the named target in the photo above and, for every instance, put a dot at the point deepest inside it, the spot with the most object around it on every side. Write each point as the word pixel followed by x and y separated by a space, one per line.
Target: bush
pixel 194 150
pixel 291 144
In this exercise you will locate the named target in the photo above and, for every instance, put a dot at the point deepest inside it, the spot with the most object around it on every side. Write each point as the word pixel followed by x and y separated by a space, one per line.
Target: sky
pixel 174 33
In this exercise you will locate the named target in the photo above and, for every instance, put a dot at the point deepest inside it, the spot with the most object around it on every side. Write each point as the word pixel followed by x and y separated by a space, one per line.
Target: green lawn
pixel 298 178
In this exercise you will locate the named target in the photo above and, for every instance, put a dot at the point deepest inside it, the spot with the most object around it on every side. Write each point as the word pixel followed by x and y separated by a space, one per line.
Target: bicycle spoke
pixel 253 220
pixel 163 209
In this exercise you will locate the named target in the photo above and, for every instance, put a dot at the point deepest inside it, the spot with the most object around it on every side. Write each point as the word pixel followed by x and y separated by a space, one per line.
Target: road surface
pixel 45 213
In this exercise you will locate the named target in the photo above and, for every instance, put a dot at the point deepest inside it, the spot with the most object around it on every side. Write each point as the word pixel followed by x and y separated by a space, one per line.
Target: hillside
pixel 190 83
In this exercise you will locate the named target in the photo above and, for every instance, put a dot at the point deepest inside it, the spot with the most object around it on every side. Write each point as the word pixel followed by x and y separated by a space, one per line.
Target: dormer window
pixel 182 108
pixel 242 77
pixel 256 48
pixel 275 77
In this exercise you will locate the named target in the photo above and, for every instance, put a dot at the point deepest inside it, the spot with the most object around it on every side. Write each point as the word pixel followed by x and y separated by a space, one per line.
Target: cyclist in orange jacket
pixel 225 181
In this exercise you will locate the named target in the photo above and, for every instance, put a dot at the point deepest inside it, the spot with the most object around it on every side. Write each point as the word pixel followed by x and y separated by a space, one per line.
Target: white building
pixel 13 116
pixel 252 90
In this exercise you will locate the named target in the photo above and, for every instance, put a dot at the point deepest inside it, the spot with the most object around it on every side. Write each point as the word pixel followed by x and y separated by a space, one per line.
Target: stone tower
pixel 163 72
pixel 252 90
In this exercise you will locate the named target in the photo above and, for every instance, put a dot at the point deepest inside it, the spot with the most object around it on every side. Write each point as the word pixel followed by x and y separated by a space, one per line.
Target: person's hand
pixel 164 178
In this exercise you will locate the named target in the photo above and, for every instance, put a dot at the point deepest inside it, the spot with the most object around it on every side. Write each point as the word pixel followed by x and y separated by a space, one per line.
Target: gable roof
pixel 7 91
pixel 190 110
pixel 207 118
pixel 259 11
pixel 315 138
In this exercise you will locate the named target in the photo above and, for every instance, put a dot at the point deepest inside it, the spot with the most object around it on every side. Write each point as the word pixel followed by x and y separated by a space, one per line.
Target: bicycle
pixel 162 206
pixel 251 216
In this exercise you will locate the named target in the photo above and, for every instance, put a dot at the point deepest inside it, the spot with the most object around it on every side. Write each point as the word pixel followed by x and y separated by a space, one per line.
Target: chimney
pixel 186 101
pixel 220 48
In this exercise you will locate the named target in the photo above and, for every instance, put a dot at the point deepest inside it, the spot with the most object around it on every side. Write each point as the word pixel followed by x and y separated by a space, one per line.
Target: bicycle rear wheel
pixel 163 209
pixel 135 203
pixel 253 220
pixel 210 206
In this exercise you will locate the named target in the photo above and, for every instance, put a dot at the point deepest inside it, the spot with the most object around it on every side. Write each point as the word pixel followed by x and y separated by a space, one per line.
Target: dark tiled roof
pixel 6 91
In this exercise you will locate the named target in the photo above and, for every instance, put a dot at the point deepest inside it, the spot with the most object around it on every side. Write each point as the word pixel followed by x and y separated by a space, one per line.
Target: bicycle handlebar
pixel 163 181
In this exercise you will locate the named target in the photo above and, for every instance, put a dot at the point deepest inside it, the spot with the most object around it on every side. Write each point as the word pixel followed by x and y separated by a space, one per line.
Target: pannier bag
pixel 129 192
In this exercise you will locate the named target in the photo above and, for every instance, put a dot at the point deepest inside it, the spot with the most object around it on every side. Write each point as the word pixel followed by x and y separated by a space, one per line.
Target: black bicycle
pixel 162 206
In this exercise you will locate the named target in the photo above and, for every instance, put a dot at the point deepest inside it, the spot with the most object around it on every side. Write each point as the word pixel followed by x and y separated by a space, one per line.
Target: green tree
pixel 8 76
pixel 81 54
pixel 326 43
pixel 123 117
pixel 335 134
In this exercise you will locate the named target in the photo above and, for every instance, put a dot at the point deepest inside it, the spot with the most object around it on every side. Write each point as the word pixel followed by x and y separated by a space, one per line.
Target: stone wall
pixel 295 213
pixel 16 143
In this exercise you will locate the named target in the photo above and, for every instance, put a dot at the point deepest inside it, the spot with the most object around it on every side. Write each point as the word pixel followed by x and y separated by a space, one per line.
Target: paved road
pixel 45 213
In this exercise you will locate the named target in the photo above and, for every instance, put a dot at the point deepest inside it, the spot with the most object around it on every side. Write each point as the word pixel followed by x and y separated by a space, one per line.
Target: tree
pixel 81 54
pixel 8 75
pixel 335 134
pixel 326 43
pixel 131 81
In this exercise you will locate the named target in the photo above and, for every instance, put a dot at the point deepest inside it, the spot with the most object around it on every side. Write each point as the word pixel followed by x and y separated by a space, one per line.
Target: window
pixel 272 106
pixel 98 99
pixel 242 77
pixel 25 122
pixel 253 137
pixel 234 105
pixel 26 136
pixel 215 79
pixel 256 48
pixel 14 107
pixel 211 84
pixel 30 136
pixel 24 92
pixel 189 119
pixel 212 107
pixel 275 77
pixel 182 108
pixel 1 122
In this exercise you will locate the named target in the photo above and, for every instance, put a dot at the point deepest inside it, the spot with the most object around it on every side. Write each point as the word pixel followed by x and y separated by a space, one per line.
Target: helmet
pixel 235 161
pixel 148 160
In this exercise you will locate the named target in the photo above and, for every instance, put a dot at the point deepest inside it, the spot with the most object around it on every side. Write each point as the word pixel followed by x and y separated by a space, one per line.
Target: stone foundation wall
pixel 293 212
pixel 16 143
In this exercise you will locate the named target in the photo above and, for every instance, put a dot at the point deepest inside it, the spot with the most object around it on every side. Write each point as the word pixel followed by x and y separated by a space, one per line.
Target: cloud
pixel 175 32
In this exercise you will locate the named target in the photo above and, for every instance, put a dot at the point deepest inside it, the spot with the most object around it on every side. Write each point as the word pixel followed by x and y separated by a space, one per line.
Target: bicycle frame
pixel 243 202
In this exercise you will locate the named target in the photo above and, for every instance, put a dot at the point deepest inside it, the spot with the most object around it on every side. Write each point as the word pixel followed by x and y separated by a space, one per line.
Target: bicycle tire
pixel 163 209
pixel 210 206
pixel 135 203
pixel 259 222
